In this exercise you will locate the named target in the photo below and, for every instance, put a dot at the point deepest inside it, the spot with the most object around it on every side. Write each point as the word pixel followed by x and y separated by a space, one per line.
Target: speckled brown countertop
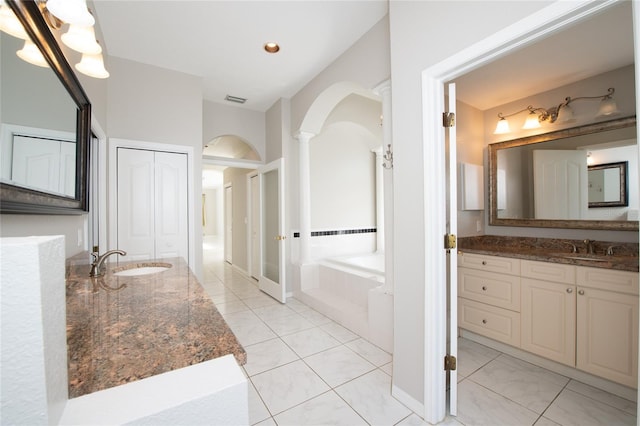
pixel 121 329
pixel 625 256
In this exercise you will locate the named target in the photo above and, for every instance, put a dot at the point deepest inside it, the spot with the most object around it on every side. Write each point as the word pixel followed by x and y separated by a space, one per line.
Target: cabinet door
pixel 607 341
pixel 548 318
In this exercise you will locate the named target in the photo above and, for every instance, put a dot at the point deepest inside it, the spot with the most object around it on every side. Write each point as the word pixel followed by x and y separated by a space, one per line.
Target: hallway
pixel 305 369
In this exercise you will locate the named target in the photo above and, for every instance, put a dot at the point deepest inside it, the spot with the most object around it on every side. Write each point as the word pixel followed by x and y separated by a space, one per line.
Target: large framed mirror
pixel 44 110
pixel 543 181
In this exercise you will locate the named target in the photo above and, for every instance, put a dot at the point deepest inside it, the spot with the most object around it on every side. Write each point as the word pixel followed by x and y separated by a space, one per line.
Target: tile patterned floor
pixel 305 369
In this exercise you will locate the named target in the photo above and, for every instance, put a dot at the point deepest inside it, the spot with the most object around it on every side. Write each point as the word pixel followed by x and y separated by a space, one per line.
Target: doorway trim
pixel 528 30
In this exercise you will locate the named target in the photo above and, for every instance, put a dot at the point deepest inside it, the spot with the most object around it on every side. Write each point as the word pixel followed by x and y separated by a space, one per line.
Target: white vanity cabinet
pixel 549 310
pixel 607 324
pixel 578 316
pixel 489 296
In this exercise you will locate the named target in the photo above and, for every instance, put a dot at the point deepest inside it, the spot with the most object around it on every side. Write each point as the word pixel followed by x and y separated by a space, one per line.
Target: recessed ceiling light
pixel 271 47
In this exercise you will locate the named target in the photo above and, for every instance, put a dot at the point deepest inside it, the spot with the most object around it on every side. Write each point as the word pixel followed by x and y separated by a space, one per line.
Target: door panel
pixel 228 224
pixel 255 226
pixel 272 273
pixel 171 205
pixel 135 203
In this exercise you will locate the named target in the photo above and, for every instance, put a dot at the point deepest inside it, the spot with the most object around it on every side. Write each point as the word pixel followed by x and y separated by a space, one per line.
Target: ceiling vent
pixel 235 99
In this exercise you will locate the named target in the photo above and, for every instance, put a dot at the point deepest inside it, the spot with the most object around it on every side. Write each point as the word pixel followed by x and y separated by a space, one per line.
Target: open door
pixel 272 237
pixel 452 255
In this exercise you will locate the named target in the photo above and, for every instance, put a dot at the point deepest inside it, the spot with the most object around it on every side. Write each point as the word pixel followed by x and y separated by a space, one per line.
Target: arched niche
pixel 230 146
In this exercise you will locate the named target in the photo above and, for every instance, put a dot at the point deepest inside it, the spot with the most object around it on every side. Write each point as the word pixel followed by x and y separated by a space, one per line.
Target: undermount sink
pixel 142 269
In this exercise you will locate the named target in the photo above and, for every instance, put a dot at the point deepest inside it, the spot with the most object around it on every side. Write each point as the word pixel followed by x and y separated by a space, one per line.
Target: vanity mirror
pixel 42 108
pixel 543 181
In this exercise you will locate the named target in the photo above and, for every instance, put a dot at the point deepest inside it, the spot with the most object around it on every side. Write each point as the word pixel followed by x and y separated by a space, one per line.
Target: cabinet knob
pixel 484 288
pixel 580 292
pixel 484 321
pixel 569 290
pixel 484 262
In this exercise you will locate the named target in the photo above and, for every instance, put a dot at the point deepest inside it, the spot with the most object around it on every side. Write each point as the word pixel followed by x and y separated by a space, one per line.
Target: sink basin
pixel 142 269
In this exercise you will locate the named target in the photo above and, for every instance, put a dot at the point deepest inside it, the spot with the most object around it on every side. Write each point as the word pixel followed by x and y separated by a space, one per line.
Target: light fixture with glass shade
pixel 30 53
pixel 10 24
pixel 81 39
pixel 561 114
pixel 92 65
pixel 73 12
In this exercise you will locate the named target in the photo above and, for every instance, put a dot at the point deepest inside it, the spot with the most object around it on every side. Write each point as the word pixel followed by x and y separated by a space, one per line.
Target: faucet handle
pixel 609 250
pixel 574 249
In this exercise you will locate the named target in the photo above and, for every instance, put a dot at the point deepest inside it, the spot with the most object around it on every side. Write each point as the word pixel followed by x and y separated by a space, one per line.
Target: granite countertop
pixel 553 250
pixel 126 328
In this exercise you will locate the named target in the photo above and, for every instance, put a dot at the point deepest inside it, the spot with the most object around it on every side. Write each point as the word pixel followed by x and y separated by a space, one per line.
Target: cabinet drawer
pixel 494 289
pixel 482 262
pixel 496 323
pixel 555 272
pixel 608 279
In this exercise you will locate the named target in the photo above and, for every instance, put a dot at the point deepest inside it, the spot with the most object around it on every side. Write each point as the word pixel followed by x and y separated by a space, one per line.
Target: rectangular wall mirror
pixel 608 185
pixel 44 126
pixel 544 180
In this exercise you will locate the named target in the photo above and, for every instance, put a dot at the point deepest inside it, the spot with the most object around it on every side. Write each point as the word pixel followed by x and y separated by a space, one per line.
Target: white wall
pixel 212 210
pixel 220 119
pixel 238 179
pixel 152 104
pixel 423 34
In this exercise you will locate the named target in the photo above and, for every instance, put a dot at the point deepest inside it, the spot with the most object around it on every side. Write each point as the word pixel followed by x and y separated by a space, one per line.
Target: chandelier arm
pixel 609 93
pixel 502 116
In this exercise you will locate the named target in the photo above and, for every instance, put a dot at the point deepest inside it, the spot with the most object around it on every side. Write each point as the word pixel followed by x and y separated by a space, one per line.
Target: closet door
pixel 152 204
pixel 136 189
pixel 171 230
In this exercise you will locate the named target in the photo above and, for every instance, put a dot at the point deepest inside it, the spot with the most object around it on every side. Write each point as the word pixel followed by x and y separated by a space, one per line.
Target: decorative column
pixel 380 225
pixel 384 91
pixel 305 196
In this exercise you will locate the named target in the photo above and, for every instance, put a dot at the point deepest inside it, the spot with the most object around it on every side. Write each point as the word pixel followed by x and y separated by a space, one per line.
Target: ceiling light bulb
pixel 10 24
pixel 608 106
pixel 502 127
pixel 531 122
pixel 30 53
pixel 92 65
pixel 81 39
pixel 71 11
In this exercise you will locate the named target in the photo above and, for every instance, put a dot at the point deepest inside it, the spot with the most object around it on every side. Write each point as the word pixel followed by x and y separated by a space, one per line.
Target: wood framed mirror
pixel 519 178
pixel 608 185
pixel 16 197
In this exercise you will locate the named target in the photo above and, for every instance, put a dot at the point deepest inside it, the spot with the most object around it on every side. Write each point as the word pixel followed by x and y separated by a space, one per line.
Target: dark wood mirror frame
pixel 623 184
pixel 15 199
pixel 494 220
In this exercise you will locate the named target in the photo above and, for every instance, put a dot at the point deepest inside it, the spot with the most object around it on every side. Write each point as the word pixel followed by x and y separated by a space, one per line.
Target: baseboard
pixel 410 402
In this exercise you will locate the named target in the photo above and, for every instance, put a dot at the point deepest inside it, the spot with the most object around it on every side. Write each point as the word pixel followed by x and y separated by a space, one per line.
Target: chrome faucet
pixel 589 245
pixel 98 260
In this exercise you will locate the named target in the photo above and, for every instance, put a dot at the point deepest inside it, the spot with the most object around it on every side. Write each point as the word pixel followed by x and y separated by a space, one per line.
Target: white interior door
pixel 152 211
pixel 228 224
pixel 255 226
pixel 272 265
pixel 135 195
pixel 452 257
pixel 560 184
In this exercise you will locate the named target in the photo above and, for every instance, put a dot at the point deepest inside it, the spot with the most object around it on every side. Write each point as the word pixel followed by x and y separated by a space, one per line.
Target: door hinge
pixel 448 119
pixel 449 241
pixel 450 363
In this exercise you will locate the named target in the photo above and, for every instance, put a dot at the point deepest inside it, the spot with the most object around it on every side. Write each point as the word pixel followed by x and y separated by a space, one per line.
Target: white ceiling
pixel 602 43
pixel 222 41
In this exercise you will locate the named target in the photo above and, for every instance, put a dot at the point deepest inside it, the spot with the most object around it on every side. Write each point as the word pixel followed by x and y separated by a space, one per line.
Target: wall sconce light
pixel 562 113
pixel 80 36
pixel 387 158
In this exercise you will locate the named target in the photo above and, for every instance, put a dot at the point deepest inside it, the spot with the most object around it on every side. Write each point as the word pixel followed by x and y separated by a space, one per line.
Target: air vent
pixel 235 99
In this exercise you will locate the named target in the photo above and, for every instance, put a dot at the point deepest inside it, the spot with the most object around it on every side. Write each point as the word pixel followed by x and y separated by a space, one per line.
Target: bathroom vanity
pixel 134 323
pixel 576 309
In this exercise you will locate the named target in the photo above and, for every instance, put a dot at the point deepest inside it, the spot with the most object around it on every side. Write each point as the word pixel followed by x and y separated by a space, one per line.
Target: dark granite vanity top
pixel 126 328
pixel 625 257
